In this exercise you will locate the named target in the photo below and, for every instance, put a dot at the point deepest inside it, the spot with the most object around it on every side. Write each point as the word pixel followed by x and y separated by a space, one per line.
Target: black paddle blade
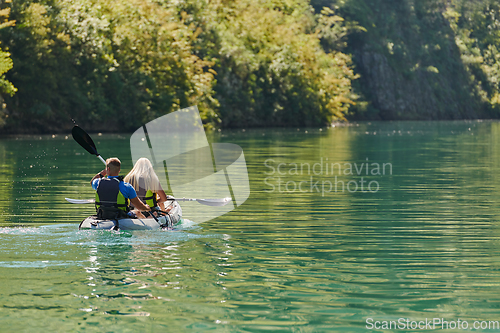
pixel 84 140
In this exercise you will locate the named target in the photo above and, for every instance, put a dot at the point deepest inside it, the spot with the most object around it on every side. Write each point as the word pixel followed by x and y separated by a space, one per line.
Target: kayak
pixel 166 221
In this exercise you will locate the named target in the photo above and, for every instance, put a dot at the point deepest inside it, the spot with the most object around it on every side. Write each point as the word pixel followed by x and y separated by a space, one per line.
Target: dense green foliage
pixel 113 65
pixel 6 87
pixel 107 64
pixel 272 68
pixel 116 64
pixel 477 31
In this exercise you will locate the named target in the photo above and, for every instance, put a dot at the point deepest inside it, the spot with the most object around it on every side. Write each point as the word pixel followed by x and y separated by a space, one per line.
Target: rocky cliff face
pixel 426 94
pixel 409 63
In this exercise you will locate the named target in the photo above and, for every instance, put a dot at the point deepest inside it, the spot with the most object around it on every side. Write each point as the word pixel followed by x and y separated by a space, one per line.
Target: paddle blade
pixel 80 201
pixel 208 202
pixel 214 202
pixel 84 140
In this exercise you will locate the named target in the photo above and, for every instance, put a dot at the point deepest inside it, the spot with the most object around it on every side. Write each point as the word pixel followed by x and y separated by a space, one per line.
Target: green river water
pixel 346 229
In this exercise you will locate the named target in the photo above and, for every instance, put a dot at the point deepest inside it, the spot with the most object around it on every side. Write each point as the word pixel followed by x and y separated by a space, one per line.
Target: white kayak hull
pixel 174 217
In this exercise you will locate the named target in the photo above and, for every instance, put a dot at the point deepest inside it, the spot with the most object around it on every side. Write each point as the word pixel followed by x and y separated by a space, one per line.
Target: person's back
pixel 113 195
pixel 109 199
pixel 145 182
pixel 152 195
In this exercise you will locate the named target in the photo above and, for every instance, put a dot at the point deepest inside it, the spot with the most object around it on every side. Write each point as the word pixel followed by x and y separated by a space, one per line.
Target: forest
pixel 114 65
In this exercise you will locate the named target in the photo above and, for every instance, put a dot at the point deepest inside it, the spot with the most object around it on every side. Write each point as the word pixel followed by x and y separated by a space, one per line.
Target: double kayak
pixel 164 221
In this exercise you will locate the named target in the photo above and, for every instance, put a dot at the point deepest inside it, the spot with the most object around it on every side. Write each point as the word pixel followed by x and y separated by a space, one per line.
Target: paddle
pixel 85 141
pixel 208 202
pixel 88 144
pixel 153 215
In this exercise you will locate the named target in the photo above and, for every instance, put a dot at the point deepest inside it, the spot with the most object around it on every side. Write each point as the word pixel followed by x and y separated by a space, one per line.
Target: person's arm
pixel 129 192
pixel 99 175
pixel 162 195
pixel 138 204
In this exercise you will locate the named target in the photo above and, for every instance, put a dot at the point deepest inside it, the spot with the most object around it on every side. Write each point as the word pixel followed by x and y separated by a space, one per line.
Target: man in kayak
pixel 113 195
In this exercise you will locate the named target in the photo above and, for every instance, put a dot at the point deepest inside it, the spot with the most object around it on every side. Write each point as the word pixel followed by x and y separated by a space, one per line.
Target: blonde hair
pixel 143 169
pixel 113 164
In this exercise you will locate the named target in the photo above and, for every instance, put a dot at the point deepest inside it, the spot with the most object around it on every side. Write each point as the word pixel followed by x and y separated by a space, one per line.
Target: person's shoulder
pixel 127 184
pixel 129 189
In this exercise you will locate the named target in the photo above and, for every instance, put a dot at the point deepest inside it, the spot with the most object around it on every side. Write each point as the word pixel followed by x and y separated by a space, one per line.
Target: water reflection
pixel 424 245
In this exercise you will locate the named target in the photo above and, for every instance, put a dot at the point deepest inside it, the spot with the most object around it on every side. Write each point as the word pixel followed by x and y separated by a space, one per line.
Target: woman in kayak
pixel 145 182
